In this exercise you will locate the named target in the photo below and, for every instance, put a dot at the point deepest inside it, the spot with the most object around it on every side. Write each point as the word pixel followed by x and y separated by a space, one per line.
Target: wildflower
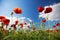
pixel 5 21
pixel 13 26
pixel 2 17
pixel 54 26
pixel 21 25
pixel 17 10
pixel 40 9
pixel 44 20
pixel 48 10
pixel 28 26
pixel 58 24
pixel 16 22
pixel 33 28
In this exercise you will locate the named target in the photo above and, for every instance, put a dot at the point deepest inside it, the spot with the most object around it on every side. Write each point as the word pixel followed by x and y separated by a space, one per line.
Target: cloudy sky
pixel 29 8
pixel 54 15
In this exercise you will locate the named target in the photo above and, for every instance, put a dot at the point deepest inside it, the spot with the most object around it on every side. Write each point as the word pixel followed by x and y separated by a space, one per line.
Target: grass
pixel 30 35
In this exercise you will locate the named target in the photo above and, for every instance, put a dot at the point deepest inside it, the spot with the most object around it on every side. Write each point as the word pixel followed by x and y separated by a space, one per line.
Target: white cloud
pixel 54 15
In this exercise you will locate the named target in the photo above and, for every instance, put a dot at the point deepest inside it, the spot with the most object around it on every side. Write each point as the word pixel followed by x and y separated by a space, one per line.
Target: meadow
pixel 30 35
pixel 23 30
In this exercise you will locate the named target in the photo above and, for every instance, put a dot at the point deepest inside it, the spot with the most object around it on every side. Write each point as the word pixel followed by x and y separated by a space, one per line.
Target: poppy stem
pixel 49 29
pixel 40 24
pixel 12 16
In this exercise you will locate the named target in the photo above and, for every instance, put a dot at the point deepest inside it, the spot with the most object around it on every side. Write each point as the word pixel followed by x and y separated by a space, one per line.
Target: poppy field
pixel 23 30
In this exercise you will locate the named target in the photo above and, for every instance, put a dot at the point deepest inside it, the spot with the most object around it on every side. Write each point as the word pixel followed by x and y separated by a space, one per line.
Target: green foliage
pixel 30 35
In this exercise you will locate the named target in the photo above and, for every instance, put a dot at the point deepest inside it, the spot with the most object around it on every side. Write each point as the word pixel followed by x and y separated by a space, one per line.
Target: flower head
pixel 40 9
pixel 17 10
pixel 48 10
pixel 16 22
pixel 57 24
pixel 21 25
pixel 14 26
pixel 54 26
pixel 44 20
pixel 5 21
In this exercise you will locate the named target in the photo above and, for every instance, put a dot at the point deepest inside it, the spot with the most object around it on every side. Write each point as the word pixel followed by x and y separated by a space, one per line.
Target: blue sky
pixel 29 7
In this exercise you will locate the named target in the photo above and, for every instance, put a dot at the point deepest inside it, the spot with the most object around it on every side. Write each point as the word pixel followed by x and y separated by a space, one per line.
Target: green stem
pixel 49 29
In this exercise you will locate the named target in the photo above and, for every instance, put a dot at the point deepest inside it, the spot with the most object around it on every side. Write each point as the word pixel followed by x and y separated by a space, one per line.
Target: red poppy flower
pixel 16 22
pixel 21 25
pixel 28 26
pixel 48 10
pixel 40 9
pixel 17 10
pixel 57 30
pixel 33 28
pixel 14 26
pixel 2 17
pixel 54 26
pixel 6 21
pixel 25 23
pixel 58 24
pixel 44 20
